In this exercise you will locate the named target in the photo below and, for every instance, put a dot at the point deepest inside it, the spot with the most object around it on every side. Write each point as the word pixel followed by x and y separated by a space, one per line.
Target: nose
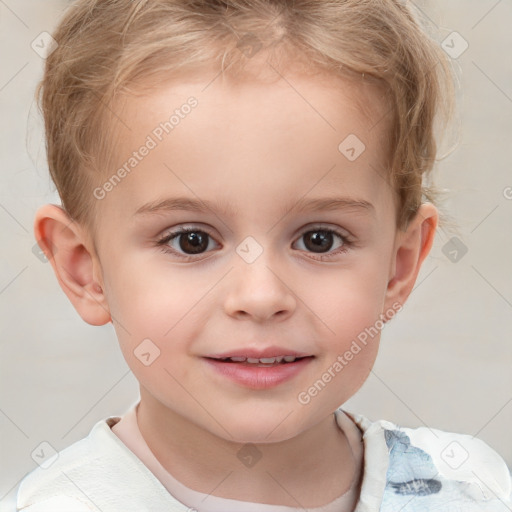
pixel 260 292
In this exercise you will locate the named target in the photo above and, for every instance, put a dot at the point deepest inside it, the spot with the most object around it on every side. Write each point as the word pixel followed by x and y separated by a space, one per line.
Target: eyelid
pixel 325 225
pixel 183 228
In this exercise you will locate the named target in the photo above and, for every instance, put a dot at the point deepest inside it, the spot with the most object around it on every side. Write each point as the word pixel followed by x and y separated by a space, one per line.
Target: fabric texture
pixel 406 469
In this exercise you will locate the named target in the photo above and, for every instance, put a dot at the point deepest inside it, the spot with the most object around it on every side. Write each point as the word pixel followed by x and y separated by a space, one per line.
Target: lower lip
pixel 259 377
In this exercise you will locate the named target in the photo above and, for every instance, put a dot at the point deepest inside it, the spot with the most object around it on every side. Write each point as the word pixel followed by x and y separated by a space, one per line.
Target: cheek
pixel 147 294
pixel 155 323
pixel 149 302
pixel 351 301
pixel 350 351
pixel 351 307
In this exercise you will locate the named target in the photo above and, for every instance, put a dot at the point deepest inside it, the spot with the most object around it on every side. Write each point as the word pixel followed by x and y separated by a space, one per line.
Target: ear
pixel 411 248
pixel 74 262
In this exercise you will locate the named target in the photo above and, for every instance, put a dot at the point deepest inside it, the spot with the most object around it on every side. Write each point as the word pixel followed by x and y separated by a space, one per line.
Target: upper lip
pixel 258 353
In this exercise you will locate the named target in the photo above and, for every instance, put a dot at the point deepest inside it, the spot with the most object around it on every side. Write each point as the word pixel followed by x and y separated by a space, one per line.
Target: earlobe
pixel 65 246
pixel 411 249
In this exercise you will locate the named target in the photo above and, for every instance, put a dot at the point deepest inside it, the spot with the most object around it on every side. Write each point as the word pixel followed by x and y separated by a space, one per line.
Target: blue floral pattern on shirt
pixel 414 484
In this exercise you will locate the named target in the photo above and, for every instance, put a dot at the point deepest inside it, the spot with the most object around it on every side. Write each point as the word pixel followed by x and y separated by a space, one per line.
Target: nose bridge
pixel 258 287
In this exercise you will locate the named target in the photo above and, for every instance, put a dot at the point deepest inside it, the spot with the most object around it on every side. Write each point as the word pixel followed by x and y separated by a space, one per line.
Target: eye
pixel 188 242
pixel 191 241
pixel 320 240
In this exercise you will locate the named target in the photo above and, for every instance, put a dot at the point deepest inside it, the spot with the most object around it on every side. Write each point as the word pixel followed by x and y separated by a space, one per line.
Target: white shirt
pixel 420 470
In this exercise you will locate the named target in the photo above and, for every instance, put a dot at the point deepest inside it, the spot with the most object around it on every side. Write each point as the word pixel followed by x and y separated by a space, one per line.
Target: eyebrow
pixel 313 205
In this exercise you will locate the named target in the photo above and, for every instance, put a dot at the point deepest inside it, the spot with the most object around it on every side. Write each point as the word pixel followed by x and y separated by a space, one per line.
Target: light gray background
pixel 445 362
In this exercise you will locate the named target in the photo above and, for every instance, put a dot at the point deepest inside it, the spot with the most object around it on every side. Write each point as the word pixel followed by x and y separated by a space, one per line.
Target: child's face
pixel 260 150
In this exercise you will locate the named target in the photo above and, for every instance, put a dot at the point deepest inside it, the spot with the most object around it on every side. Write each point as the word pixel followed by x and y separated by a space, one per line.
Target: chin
pixel 258 429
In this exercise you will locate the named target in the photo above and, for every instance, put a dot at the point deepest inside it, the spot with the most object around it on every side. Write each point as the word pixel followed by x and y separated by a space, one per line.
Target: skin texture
pixel 259 147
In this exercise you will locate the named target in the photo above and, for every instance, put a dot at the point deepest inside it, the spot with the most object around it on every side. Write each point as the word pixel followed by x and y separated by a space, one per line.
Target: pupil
pixel 320 240
pixel 194 242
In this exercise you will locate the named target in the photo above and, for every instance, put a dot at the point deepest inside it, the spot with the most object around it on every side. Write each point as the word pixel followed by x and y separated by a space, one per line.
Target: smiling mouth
pixel 261 362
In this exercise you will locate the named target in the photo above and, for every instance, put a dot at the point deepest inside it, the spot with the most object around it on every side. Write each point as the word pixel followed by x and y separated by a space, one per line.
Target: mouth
pixel 263 362
pixel 259 373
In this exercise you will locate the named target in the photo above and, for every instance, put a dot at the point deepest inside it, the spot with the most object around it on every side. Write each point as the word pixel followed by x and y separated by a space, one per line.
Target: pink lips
pixel 258 377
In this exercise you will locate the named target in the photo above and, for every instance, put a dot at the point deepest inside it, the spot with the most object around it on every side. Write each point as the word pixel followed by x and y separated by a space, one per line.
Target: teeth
pixel 263 360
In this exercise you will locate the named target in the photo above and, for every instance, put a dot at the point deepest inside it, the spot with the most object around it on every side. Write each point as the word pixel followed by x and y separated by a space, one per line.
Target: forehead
pixel 305 93
pixel 245 135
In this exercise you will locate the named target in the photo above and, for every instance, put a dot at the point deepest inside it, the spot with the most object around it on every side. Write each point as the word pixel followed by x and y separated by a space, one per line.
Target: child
pixel 244 198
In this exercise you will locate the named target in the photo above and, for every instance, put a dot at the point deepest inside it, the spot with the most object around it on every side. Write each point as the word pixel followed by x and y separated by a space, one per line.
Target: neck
pixel 309 470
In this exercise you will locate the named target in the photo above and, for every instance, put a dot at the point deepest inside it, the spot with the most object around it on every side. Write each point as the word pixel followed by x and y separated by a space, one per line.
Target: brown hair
pixel 107 46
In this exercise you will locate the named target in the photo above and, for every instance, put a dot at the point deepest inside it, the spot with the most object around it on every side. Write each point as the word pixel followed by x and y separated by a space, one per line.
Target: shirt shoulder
pixel 58 504
pixel 438 469
pixel 97 472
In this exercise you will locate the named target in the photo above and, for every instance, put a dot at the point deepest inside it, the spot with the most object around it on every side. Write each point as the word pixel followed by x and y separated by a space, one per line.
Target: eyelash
pixel 162 243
